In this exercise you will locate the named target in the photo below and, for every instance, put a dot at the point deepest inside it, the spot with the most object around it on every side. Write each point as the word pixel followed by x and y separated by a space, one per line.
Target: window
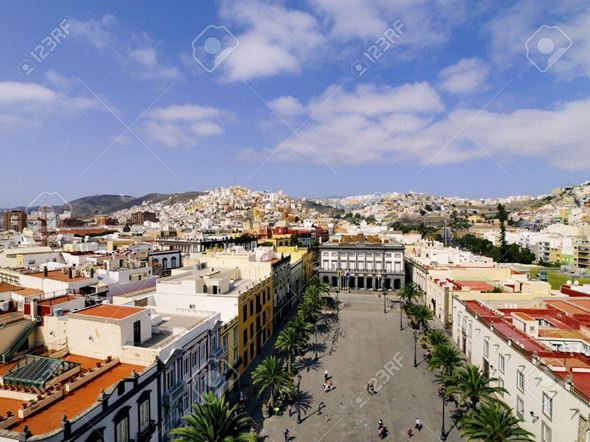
pixel 203 352
pixel 501 363
pixel 501 385
pixel 225 343
pixel 244 311
pixel 144 414
pixel 547 405
pixel 245 336
pixel 520 380
pixel 122 427
pixel 486 347
pixel 519 407
pixel 545 433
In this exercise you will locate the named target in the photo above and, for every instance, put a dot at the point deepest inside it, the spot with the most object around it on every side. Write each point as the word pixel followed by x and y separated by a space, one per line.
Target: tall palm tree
pixel 214 421
pixel 409 293
pixel 309 310
pixel 493 422
pixel 473 385
pixel 270 376
pixel 420 315
pixel 445 358
pixel 290 341
pixel 303 327
pixel 435 338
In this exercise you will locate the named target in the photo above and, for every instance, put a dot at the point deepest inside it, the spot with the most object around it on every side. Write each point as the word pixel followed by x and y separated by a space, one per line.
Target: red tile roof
pixel 110 311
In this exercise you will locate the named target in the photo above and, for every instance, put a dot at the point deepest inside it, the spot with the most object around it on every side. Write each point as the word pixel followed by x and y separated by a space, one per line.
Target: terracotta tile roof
pixel 110 311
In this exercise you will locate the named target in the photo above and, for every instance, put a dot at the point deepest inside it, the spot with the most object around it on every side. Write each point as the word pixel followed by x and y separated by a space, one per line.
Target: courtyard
pixel 363 345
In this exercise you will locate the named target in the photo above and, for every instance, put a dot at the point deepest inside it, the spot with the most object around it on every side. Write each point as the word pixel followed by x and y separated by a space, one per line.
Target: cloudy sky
pixel 445 96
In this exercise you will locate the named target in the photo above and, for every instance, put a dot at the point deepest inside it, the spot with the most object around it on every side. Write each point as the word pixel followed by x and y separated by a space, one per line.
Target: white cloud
pixel 509 30
pixel 374 124
pixel 276 39
pixel 288 107
pixel 137 52
pixel 23 104
pixel 468 75
pixel 183 125
pixel 57 80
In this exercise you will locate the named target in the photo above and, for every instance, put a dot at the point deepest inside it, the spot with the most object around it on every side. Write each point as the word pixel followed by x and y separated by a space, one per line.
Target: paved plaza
pixel 363 345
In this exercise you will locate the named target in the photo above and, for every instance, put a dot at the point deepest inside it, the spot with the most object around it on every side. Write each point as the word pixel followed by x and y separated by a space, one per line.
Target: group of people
pixel 417 426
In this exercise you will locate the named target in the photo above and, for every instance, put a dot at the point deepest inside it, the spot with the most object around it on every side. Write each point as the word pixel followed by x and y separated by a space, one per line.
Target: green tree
pixel 420 315
pixel 409 294
pixel 435 338
pixel 502 216
pixel 271 377
pixel 445 358
pixel 473 385
pixel 493 422
pixel 303 327
pixel 289 340
pixel 214 421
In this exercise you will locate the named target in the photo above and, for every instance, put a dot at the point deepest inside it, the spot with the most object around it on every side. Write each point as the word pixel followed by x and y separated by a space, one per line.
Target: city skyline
pixel 307 98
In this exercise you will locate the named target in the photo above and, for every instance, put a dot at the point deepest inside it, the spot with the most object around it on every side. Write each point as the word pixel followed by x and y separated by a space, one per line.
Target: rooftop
pixel 109 311
pixel 57 275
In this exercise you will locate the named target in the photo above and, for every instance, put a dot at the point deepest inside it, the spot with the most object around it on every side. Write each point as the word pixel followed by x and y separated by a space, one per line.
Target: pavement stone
pixel 363 345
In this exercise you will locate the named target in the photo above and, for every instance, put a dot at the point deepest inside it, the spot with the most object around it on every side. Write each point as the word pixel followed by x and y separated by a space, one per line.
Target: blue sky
pixel 309 97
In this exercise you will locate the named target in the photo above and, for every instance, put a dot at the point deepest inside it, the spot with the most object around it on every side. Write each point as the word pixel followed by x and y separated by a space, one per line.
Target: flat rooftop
pixel 169 329
pixel 109 311
pixel 57 275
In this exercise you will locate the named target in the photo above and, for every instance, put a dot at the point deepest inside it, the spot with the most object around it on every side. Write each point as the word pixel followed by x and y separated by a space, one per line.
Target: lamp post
pixel 415 348
pixel 401 307
pixel 443 433
pixel 298 398
pixel 315 332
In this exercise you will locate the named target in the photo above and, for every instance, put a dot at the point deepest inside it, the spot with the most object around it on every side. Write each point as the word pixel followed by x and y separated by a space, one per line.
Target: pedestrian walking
pixel 410 432
pixel 419 424
pixel 290 408
pixel 326 376
pixel 287 436
pixel 327 418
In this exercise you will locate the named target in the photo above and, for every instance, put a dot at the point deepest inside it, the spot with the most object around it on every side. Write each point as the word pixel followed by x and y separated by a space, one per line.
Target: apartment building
pixel 362 262
pixel 245 306
pixel 539 349
pixel 581 259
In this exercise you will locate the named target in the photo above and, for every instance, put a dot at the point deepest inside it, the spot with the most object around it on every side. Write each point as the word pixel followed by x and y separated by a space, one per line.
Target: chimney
pixel 45 272
pixel 92 272
pixel 70 273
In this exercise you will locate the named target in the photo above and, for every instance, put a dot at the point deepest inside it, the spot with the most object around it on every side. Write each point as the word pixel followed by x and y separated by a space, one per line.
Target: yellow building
pixel 255 321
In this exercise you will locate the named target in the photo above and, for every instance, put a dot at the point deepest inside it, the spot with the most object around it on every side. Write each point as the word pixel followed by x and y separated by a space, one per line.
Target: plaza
pixel 364 345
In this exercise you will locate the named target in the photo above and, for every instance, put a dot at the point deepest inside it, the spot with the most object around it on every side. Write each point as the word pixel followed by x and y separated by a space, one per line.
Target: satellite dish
pixel 569 282
pixel 576 282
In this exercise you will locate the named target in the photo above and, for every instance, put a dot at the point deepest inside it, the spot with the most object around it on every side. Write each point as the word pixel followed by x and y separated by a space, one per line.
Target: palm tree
pixel 435 338
pixel 409 293
pixel 473 385
pixel 290 341
pixel 270 376
pixel 493 422
pixel 303 327
pixel 445 358
pixel 214 421
pixel 309 310
pixel 420 315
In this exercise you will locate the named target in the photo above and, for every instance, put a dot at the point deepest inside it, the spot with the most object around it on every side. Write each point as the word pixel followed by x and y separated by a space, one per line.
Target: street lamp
pixel 443 433
pixel 415 348
pixel 298 398
pixel 401 326
pixel 315 332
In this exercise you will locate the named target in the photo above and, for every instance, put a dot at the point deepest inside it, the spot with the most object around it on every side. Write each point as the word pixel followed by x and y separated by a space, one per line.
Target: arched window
pixel 165 263
pixel 173 262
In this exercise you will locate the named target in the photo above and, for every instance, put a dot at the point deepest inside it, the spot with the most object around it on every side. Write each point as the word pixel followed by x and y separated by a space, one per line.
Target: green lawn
pixel 556 278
